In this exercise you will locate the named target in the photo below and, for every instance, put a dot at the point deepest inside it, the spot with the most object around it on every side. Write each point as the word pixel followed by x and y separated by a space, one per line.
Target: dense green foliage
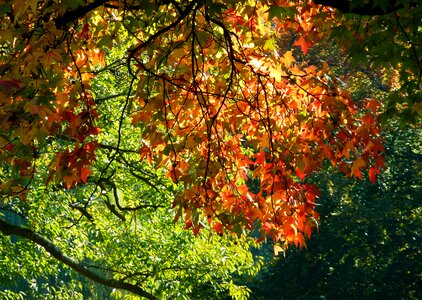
pixel 151 247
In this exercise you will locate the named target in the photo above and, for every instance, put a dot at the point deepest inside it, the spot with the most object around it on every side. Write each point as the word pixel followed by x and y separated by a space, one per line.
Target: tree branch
pixel 72 15
pixel 113 148
pixel 129 208
pixel 183 15
pixel 366 9
pixel 9 229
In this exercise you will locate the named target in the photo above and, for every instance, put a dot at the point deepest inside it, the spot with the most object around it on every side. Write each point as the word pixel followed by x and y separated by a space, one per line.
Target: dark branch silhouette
pixel 365 9
pixel 72 15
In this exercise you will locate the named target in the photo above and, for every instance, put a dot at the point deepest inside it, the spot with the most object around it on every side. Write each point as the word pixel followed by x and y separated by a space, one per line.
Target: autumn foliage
pixel 227 98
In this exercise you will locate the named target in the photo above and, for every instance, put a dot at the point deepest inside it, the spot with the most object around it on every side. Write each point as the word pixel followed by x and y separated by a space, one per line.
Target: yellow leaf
pixel 288 59
pixel 270 45
pixel 277 250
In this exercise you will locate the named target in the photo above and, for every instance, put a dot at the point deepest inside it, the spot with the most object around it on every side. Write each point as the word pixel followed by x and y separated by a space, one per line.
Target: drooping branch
pixel 366 9
pixel 72 15
pixel 10 229
pixel 114 148
pixel 129 208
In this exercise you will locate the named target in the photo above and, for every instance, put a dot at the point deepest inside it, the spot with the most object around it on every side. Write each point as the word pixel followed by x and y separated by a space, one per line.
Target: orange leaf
pixel 357 165
pixel 288 59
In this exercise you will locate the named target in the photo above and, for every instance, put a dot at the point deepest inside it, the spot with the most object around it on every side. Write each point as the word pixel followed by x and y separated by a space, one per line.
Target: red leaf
pixel 85 172
pixel 300 173
pixel 373 174
pixel 373 105
pixel 377 148
pixel 303 44
pixel 218 227
pixel 195 229
pixel 10 84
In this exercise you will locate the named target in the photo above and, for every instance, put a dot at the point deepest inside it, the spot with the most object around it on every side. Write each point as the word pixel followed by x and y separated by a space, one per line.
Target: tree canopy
pixel 113 111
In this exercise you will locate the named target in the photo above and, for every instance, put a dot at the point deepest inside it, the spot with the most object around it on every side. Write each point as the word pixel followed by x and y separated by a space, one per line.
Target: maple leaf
pixel 70 180
pixel 85 172
pixel 372 173
pixel 288 58
pixel 303 44
pixel 373 105
pixel 357 165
